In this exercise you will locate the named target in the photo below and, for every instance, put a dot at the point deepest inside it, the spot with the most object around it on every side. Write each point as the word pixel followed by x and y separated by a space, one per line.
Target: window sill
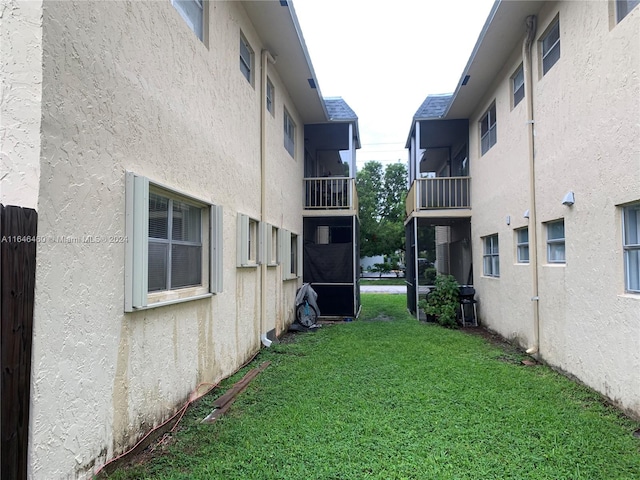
pixel 296 277
pixel 173 301
pixel 554 265
pixel 631 295
pixel 249 265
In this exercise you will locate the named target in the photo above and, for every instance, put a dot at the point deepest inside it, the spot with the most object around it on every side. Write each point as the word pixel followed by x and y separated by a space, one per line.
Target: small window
pixel 272 249
pixel 631 247
pixel 249 242
pixel 290 255
pixel 555 242
pixel 550 44
pixel 522 245
pixel 488 134
pixel 270 97
pixel 491 257
pixel 192 11
pixel 289 134
pixel 294 255
pixel 246 59
pixel 174 251
pixel 623 7
pixel 517 85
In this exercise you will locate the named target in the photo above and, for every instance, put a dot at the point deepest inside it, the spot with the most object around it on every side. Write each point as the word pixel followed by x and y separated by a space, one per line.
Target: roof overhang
pixel 503 31
pixel 277 25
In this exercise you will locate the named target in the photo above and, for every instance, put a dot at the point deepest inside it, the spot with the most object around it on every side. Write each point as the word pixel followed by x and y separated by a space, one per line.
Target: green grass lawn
pixel 388 397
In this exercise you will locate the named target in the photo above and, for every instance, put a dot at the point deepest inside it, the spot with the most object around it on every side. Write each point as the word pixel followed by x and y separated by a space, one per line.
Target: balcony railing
pixel 330 193
pixel 439 193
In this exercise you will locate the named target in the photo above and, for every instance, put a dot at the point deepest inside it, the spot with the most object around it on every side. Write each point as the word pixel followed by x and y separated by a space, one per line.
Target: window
pixel 246 59
pixel 289 133
pixel 623 7
pixel 491 258
pixel 174 250
pixel 270 97
pixel 192 11
pixel 522 245
pixel 555 242
pixel 294 256
pixel 249 246
pixel 273 253
pixel 517 85
pixel 631 246
pixel 550 43
pixel 488 135
pixel 290 255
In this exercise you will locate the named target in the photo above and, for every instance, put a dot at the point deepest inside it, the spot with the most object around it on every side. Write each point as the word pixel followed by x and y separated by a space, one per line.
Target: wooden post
pixel 18 230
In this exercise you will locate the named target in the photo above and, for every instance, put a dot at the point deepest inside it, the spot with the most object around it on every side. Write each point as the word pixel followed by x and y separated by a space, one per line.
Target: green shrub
pixel 442 302
pixel 430 275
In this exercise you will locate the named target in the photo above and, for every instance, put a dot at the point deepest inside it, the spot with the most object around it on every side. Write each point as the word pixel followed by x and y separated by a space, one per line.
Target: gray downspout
pixel 265 57
pixel 533 225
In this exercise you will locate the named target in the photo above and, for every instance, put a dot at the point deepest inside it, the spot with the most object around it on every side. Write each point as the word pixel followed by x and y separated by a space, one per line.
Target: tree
pixel 381 196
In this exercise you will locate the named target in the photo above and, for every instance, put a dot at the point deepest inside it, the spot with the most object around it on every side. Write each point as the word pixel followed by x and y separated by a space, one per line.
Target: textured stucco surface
pixel 20 95
pixel 586 138
pixel 128 87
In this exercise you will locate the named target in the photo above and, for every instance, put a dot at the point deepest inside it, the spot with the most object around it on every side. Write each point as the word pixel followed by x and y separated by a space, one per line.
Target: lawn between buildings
pixel 388 397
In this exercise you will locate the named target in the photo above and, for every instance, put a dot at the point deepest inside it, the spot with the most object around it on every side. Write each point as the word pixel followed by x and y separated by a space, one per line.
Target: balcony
pixel 336 195
pixel 438 194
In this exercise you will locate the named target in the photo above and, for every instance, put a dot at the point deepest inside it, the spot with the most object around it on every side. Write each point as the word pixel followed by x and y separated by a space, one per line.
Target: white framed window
pixel 623 7
pixel 273 246
pixel 289 133
pixel 488 129
pixel 192 11
pixel 271 97
pixel 174 253
pixel 290 254
pixel 246 59
pixel 522 245
pixel 555 242
pixel 491 256
pixel 550 46
pixel 517 86
pixel 249 237
pixel 631 246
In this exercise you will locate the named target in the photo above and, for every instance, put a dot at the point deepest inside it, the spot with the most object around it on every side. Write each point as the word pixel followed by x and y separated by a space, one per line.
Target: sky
pixel 384 58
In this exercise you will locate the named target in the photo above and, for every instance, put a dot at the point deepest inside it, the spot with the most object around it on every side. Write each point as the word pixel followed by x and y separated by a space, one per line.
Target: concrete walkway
pixel 393 289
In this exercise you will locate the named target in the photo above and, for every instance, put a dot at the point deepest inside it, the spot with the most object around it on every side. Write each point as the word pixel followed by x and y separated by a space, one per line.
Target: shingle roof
pixel 338 109
pixel 434 106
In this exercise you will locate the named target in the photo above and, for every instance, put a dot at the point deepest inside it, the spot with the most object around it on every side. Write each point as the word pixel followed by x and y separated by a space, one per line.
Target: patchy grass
pixel 399 399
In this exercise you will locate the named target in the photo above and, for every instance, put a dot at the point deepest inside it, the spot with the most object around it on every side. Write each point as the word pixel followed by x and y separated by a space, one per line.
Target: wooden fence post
pixel 18 230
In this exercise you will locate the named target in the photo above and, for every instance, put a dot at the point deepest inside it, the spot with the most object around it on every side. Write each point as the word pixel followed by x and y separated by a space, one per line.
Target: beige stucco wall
pixel 586 140
pixel 128 87
pixel 20 96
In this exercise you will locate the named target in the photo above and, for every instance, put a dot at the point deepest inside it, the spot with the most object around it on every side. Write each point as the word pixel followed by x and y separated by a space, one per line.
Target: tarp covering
pixel 329 263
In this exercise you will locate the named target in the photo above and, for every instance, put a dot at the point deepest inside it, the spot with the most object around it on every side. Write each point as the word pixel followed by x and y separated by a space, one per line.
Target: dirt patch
pixel 380 318
pixel 512 353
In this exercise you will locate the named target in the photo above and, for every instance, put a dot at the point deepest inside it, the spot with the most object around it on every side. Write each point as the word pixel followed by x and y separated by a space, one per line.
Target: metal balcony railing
pixel 439 193
pixel 329 193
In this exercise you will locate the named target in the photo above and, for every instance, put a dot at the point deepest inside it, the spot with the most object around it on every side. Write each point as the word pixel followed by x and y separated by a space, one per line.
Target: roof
pixel 277 25
pixel 339 110
pixel 433 106
pixel 503 31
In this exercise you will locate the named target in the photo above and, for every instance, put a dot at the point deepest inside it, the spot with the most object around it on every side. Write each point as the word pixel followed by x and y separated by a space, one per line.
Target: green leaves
pixel 381 196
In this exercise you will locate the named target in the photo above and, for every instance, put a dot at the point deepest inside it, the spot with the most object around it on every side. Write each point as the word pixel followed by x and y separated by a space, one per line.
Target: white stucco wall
pixel 21 92
pixel 586 140
pixel 128 87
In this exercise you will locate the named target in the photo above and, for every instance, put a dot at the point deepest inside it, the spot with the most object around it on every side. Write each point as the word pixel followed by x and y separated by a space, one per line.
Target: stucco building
pixel 530 172
pixel 171 151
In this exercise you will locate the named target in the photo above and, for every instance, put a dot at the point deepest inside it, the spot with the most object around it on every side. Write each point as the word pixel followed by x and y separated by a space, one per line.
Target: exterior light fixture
pixel 569 199
pixel 526 213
